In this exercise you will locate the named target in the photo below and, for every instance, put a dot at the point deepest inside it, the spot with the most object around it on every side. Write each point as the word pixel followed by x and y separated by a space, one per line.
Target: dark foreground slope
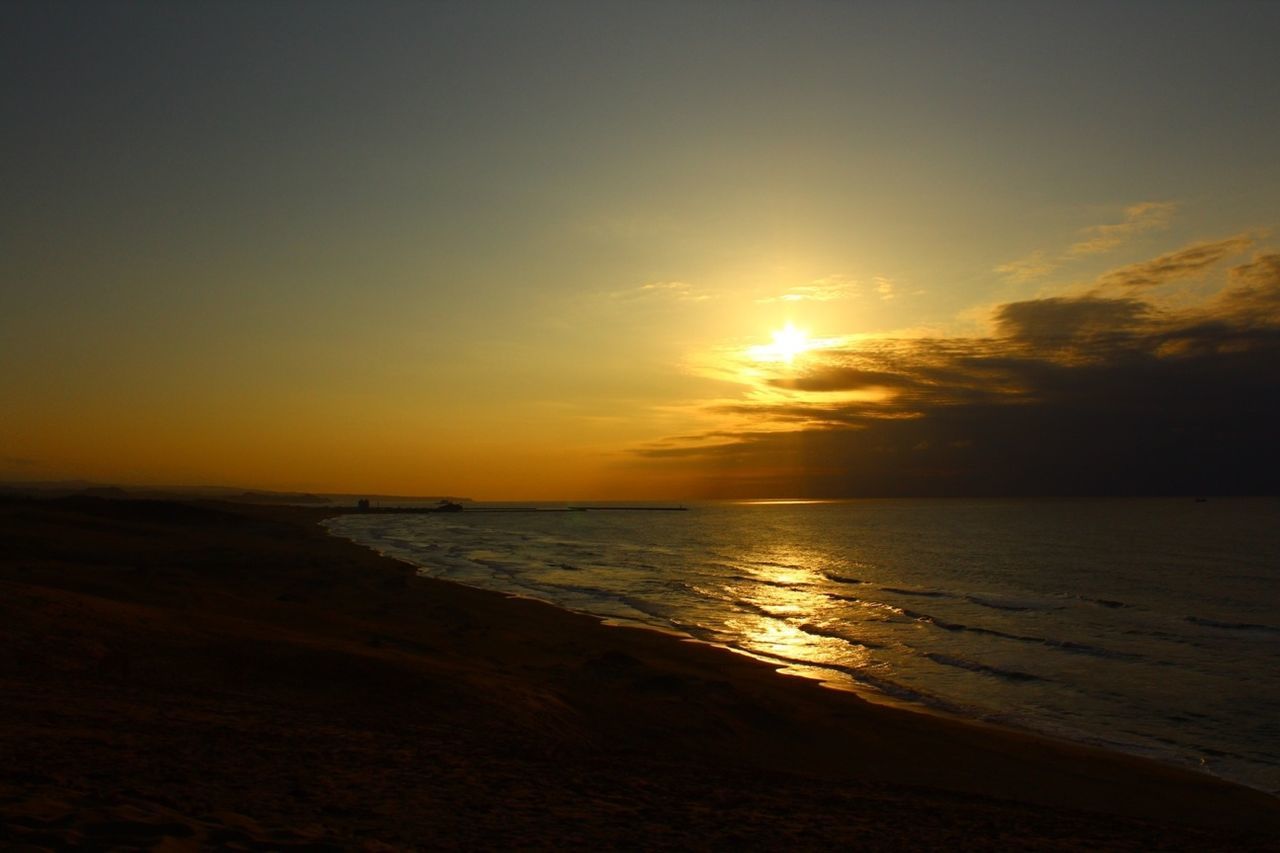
pixel 209 675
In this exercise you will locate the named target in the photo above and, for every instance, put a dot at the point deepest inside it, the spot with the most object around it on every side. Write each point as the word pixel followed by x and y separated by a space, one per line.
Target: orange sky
pixel 514 251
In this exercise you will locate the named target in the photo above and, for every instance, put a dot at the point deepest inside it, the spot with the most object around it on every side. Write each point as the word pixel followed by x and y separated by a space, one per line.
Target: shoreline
pixel 203 673
pixel 782 667
pixel 840 680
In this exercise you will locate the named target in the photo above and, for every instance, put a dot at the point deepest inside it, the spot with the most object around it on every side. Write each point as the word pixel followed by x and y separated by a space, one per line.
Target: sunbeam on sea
pixel 1150 626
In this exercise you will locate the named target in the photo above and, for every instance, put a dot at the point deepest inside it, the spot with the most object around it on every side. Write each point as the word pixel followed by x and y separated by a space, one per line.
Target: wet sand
pixel 180 676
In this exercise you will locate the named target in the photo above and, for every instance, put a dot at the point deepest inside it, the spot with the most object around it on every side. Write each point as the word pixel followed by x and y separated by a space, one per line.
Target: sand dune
pixel 179 676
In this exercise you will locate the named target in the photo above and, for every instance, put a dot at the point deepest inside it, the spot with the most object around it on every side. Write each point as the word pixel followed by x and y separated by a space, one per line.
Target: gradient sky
pixel 541 250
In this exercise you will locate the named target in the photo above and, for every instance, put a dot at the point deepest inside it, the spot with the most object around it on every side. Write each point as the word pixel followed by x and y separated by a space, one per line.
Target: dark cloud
pixel 834 378
pixel 1180 264
pixel 1061 318
pixel 1263 272
pixel 1254 296
pixel 1084 395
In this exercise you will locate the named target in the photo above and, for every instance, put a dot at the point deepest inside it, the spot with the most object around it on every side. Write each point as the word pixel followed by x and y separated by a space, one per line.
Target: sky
pixel 558 250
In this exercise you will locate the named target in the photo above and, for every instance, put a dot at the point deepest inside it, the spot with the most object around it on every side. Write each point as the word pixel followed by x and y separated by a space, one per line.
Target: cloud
pixel 1254 297
pixel 1062 318
pixel 1036 265
pixel 884 287
pixel 827 289
pixel 680 291
pixel 1081 394
pixel 839 378
pixel 1138 218
pixel 1183 263
pixel 1144 216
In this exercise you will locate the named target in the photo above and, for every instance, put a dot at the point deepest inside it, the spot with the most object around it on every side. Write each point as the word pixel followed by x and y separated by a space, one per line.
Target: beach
pixel 187 675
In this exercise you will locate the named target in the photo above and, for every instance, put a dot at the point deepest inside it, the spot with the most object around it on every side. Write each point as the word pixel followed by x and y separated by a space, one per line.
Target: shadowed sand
pixel 181 676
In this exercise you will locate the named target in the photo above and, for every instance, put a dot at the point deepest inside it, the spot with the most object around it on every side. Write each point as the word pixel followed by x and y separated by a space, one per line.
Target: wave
pixel 885 687
pixel 927 593
pixel 985 669
pixel 842 579
pixel 649 608
pixel 767 582
pixel 1000 605
pixel 775 565
pixel 993 602
pixel 1234 626
pixel 511 569
pixel 1062 645
pixel 1166 636
pixel 752 607
pixel 880 605
pixel 925 617
pixel 1109 603
pixel 819 631
pixel 1086 649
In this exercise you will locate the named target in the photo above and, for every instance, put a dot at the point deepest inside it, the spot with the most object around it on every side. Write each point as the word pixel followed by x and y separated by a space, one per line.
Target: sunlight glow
pixel 788 342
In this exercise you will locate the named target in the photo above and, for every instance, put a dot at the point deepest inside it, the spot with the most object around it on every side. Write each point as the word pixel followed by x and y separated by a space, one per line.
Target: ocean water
pixel 1150 626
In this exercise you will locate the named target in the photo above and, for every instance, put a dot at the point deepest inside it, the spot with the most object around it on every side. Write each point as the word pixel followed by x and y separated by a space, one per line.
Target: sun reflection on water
pixel 784 501
pixel 788 614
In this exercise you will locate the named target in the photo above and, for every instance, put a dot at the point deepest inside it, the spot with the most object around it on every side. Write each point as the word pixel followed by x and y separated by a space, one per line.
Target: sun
pixel 788 342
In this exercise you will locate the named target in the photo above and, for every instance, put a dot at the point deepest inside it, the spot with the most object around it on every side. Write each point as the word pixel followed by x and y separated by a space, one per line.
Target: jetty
pixel 449 506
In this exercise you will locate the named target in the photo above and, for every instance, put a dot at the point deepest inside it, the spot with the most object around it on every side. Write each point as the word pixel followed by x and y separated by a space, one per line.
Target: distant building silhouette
pixel 363 504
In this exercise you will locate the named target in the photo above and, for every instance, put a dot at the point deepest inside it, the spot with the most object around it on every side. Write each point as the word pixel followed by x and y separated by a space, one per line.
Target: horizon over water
pixel 1146 625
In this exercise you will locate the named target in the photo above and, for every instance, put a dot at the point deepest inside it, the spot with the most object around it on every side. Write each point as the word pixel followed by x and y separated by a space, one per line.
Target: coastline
pixel 791 669
pixel 202 673
pixel 1013 635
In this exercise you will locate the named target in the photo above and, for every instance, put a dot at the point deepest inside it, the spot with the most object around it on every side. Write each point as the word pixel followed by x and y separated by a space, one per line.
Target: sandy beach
pixel 194 675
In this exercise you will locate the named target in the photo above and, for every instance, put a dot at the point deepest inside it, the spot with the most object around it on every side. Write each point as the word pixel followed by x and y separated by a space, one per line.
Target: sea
pixel 1148 626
